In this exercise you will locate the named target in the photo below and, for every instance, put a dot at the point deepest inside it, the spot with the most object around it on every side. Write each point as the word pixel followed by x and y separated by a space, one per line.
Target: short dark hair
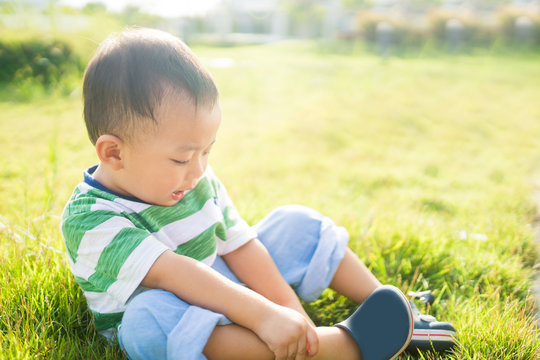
pixel 130 73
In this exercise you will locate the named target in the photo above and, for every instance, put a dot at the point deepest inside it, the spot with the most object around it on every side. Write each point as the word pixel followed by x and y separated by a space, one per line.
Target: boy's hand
pixel 288 334
pixel 295 305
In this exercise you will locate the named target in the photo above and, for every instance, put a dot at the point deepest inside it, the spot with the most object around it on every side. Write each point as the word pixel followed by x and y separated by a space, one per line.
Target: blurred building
pixel 256 21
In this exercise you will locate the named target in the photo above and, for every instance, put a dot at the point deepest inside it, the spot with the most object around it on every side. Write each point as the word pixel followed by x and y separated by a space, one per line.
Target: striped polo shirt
pixel 112 241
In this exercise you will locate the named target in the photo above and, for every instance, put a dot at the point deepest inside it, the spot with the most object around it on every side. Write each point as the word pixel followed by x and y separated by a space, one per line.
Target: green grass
pixel 428 162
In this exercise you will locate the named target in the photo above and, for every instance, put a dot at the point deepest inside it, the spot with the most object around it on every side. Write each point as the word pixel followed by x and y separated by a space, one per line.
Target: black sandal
pixel 382 325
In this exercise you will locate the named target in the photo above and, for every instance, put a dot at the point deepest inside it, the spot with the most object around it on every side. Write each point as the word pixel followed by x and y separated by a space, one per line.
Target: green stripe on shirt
pixel 106 321
pixel 86 285
pixel 203 245
pixel 230 217
pixel 75 230
pixel 114 256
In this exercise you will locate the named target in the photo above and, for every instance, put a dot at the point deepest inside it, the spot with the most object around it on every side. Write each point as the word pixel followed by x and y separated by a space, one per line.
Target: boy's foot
pixel 382 326
pixel 430 334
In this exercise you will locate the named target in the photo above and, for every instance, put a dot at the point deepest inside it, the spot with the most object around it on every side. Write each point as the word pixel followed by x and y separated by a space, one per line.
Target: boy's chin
pixel 161 202
pixel 166 203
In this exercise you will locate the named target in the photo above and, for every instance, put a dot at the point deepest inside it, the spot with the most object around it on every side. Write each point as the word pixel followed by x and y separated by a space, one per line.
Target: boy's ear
pixel 109 150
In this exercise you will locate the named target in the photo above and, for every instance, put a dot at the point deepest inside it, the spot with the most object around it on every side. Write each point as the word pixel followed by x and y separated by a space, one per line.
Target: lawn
pixel 429 162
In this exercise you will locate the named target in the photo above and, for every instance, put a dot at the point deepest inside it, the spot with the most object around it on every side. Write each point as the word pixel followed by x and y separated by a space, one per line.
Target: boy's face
pixel 161 166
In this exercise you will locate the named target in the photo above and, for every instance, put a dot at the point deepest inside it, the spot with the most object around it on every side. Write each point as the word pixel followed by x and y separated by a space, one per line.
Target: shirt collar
pixel 90 180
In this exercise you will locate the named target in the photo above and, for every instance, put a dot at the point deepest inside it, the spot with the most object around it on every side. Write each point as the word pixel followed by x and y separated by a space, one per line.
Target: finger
pixel 292 350
pixel 312 340
pixel 280 355
pixel 302 348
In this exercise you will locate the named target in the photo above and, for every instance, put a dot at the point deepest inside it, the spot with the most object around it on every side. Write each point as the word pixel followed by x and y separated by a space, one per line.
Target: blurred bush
pixel 454 30
pixel 445 29
pixel 400 33
pixel 519 27
pixel 44 61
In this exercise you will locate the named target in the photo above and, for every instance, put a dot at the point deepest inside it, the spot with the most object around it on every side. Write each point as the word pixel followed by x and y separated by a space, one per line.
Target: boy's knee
pixel 298 213
pixel 295 217
pixel 290 230
pixel 305 245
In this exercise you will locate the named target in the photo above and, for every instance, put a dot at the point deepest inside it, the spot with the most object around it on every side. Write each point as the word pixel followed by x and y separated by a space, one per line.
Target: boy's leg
pixel 353 279
pixel 306 246
pixel 158 325
pixel 378 330
pixel 311 253
pixel 237 343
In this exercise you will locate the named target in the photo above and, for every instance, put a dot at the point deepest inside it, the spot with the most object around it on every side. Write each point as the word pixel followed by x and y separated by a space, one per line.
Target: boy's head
pixel 152 112
pixel 129 76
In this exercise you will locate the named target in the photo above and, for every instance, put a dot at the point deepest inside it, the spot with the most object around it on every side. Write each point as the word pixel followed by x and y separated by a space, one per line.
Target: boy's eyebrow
pixel 191 147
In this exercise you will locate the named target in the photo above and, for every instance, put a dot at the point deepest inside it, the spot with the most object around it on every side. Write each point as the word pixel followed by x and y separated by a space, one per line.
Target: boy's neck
pixel 106 178
pixel 90 179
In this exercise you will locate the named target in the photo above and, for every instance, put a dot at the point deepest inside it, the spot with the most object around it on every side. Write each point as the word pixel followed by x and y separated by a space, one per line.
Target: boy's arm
pixel 254 266
pixel 282 329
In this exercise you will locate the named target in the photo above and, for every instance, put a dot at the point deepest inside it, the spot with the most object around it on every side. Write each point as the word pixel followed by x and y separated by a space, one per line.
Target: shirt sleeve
pixel 237 231
pixel 108 253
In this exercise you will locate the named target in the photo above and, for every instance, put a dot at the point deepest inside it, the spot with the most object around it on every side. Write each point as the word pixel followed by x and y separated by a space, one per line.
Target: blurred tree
pixel 425 3
pixel 7 7
pixel 51 10
pixel 306 16
pixel 357 4
pixel 94 8
pixel 67 10
pixel 132 15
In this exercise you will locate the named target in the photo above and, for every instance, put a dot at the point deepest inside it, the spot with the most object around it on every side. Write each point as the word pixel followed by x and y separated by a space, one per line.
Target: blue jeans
pixel 307 249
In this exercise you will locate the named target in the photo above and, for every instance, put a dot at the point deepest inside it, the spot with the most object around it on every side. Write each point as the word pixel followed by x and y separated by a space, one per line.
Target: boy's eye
pixel 180 162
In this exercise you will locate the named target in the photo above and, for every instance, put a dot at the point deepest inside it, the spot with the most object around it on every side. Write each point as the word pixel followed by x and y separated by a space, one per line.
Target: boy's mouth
pixel 178 195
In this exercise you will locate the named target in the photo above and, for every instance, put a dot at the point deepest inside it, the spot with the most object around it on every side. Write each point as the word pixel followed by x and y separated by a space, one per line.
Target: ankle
pixel 336 343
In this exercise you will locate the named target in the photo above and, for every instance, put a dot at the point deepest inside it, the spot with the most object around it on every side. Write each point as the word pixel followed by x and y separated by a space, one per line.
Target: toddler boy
pixel 166 263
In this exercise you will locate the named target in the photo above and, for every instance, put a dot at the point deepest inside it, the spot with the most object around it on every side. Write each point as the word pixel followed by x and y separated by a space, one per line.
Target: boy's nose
pixel 194 174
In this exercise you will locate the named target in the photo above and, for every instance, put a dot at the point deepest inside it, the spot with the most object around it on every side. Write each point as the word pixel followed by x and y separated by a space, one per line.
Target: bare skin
pixel 352 279
pixel 237 343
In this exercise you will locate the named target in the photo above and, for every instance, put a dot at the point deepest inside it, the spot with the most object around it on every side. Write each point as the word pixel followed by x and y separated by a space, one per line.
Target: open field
pixel 429 163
